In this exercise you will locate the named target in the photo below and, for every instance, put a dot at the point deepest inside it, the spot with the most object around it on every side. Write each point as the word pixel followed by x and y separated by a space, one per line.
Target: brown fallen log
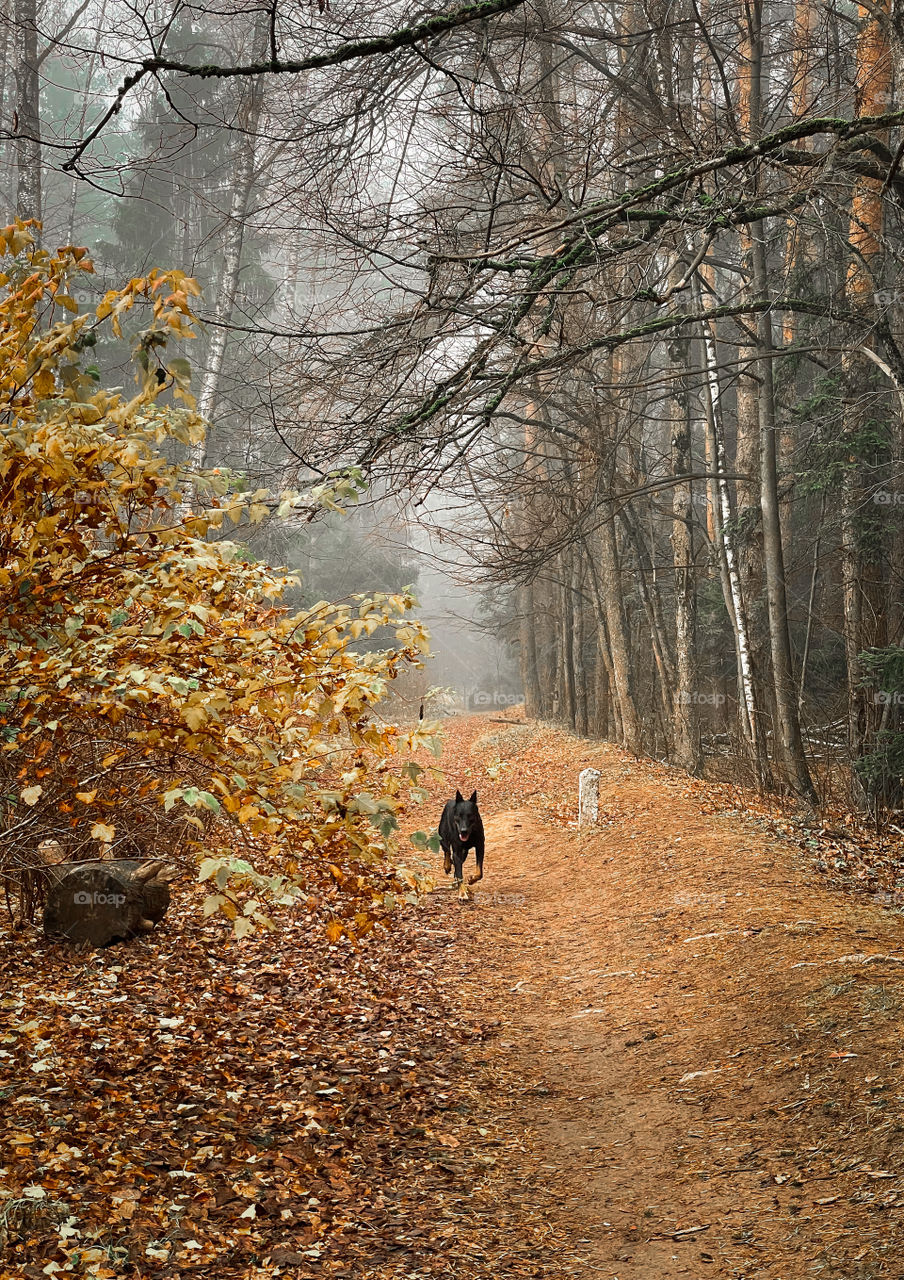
pixel 102 902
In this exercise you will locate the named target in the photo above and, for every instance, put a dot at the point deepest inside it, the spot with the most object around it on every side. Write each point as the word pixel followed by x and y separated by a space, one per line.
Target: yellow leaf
pixel 101 831
pixel 44 383
pixel 86 797
pixel 31 795
pixel 194 716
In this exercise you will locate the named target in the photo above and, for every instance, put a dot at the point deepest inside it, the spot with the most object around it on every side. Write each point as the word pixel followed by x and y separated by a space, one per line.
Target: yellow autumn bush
pixel 156 698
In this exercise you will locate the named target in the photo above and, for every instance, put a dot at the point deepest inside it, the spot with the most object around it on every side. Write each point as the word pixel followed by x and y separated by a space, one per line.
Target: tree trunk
pixel 652 604
pixel 241 181
pixel 801 246
pixel 790 745
pixel 527 627
pixel 566 650
pixel 860 549
pixel 811 604
pixel 7 62
pixel 103 902
pixel 581 700
pixel 687 747
pixel 727 558
pixel 747 446
pixel 610 588
pixel 28 111
pixel 547 648
pixel 600 725
pixel 83 117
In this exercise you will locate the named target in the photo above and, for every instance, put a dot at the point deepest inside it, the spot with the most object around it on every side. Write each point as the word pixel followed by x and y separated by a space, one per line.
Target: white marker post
pixel 588 797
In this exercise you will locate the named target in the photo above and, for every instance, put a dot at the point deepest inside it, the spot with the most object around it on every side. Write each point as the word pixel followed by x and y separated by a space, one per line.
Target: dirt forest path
pixel 702 1042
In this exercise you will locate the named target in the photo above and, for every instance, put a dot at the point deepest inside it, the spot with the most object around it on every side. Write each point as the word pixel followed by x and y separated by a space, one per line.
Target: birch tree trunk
pixel 83 117
pixel 28 111
pixel 242 180
pixel 7 61
pixel 722 524
pixel 789 747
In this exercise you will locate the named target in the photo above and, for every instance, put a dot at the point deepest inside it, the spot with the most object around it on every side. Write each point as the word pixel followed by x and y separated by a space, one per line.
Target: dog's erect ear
pixel 459 798
pixel 473 797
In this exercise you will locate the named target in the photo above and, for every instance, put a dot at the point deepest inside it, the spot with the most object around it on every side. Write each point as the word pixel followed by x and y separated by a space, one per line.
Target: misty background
pixel 266 193
pixel 605 301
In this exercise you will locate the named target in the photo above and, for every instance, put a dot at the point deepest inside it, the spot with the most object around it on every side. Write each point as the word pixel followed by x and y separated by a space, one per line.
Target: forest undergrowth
pixel 665 1045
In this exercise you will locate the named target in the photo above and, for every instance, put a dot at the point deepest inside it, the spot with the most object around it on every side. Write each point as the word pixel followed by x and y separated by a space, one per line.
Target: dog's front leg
pixel 459 860
pixel 478 854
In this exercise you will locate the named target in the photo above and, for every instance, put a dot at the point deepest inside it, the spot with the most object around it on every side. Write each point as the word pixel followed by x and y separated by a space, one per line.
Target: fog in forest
pixel 600 331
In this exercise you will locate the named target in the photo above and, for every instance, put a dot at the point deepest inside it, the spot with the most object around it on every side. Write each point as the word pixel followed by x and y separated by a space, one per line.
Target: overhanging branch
pixel 352 51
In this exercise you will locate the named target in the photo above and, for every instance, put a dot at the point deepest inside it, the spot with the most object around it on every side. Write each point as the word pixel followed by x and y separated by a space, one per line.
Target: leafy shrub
pixel 156 697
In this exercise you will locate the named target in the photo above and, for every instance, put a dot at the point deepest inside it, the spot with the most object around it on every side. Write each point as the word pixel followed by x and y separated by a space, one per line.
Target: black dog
pixel 461 829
